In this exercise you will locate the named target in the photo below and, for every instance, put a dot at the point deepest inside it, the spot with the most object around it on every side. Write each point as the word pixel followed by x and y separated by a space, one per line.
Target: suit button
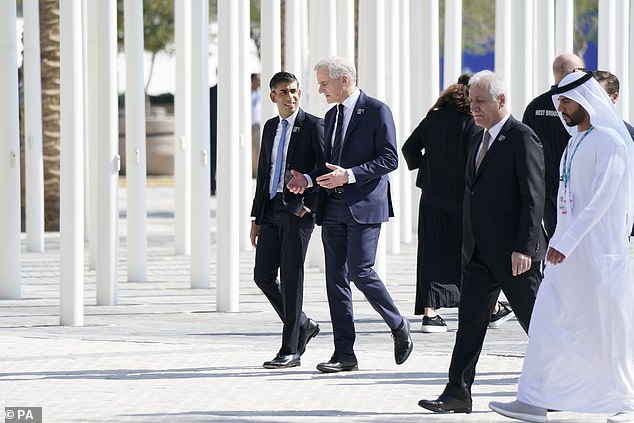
pixel 471 193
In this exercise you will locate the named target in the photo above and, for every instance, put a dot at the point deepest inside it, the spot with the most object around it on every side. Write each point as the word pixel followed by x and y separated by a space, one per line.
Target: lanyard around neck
pixel 565 177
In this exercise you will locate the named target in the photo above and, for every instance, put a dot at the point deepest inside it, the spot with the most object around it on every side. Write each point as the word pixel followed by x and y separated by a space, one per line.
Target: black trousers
pixel 281 245
pixel 481 285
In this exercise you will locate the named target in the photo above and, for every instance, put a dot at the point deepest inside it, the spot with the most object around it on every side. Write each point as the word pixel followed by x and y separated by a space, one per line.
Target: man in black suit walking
pixel 504 243
pixel 282 222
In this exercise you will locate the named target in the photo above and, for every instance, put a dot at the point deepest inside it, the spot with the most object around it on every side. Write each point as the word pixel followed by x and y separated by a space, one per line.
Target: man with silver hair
pixel 580 355
pixel 353 202
pixel 503 240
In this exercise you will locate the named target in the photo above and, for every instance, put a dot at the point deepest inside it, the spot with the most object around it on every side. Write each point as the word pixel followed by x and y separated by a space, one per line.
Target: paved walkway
pixel 165 355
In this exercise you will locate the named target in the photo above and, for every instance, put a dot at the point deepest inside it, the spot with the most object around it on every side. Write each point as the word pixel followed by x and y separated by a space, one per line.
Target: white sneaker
pixel 520 410
pixel 434 324
pixel 503 314
pixel 622 417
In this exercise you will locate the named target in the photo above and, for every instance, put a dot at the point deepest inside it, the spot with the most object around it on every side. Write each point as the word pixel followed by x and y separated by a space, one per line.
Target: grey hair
pixel 486 77
pixel 338 67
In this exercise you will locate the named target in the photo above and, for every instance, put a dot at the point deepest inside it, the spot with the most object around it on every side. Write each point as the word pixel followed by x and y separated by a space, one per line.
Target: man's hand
pixel 336 178
pixel 520 263
pixel 255 231
pixel 298 183
pixel 553 256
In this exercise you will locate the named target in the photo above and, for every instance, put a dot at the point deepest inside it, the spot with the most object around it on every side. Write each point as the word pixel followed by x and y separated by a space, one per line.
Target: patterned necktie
pixel 335 155
pixel 483 149
pixel 278 160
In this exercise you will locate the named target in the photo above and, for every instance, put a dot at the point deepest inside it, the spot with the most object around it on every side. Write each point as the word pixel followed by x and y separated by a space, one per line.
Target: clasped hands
pixel 338 177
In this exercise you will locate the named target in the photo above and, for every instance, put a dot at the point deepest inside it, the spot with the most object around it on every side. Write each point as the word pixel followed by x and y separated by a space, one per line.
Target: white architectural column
pixel 182 127
pixel 453 42
pixel 323 27
pixel 392 98
pixel 630 55
pixel 544 47
pixel 372 79
pixel 564 26
pixel 425 69
pixel 107 152
pixel 92 130
pixel 9 156
pixel 621 50
pixel 345 28
pixel 503 41
pixel 245 147
pixel 271 50
pixel 227 280
pixel 521 80
pixel 71 228
pixel 200 179
pixel 322 42
pixel 405 122
pixel 135 141
pixel 607 35
pixel 84 55
pixel 34 165
pixel 293 35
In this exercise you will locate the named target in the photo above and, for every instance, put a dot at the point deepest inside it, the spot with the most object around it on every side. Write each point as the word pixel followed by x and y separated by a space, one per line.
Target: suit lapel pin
pixel 295 128
pixel 501 138
pixel 360 111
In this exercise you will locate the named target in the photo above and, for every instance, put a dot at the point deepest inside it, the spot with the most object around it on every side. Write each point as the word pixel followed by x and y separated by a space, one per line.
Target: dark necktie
pixel 483 149
pixel 278 160
pixel 335 155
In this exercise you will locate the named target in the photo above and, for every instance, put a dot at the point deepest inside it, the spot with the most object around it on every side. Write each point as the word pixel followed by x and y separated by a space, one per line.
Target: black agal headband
pixel 574 84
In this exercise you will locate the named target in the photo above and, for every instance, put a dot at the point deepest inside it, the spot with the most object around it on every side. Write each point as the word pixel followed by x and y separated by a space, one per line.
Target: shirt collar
pixel 495 129
pixel 290 119
pixel 352 99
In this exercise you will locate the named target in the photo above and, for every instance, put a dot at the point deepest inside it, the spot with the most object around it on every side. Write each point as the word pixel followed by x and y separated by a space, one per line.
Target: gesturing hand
pixel 298 183
pixel 336 178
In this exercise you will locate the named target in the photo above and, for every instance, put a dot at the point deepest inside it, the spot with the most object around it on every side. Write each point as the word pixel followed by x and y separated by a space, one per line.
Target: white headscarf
pixel 582 88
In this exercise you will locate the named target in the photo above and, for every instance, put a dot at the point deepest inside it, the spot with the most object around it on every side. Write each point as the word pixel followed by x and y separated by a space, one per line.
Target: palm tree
pixel 50 67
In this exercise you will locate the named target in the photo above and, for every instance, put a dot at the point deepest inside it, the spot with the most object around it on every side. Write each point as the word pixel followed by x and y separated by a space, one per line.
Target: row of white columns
pixel 394 66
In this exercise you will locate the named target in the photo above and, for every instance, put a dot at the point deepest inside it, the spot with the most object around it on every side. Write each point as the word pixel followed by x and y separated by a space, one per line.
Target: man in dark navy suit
pixel 504 243
pixel 283 221
pixel 359 151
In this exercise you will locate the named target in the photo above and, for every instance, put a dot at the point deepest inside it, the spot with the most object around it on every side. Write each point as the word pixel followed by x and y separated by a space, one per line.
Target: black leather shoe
pixel 282 361
pixel 447 404
pixel 403 344
pixel 339 363
pixel 306 333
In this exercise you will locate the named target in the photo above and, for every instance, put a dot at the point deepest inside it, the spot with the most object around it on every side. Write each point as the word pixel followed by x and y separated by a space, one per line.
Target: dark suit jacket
pixel 504 200
pixel 305 152
pixel 369 149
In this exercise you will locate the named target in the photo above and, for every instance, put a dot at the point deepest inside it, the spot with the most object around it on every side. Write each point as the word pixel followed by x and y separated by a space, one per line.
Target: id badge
pixel 565 203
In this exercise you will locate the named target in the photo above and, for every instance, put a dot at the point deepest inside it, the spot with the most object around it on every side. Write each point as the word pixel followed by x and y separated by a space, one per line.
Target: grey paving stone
pixel 163 354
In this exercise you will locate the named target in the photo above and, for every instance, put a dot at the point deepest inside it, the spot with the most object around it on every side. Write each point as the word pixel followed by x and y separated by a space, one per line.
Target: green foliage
pixel 478 28
pixel 158 24
pixel 586 24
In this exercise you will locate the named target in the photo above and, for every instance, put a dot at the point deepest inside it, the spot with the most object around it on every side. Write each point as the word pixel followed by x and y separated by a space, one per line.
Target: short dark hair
pixel 612 85
pixel 282 77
